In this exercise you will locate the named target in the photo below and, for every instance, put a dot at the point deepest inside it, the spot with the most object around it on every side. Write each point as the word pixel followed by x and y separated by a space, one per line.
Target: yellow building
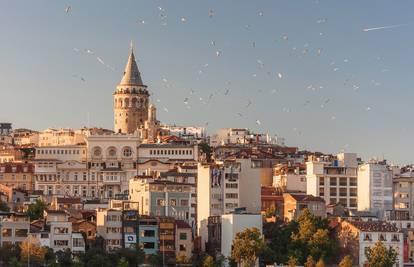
pixel 17 175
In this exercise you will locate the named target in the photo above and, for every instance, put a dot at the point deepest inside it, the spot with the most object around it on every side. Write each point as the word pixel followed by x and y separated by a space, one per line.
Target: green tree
pixel 346 262
pixel 64 258
pixel 207 150
pixel 13 262
pixel 310 262
pixel 320 263
pixel 270 212
pixel 154 260
pixel 208 261
pixel 380 256
pixel 9 251
pixel 35 211
pixel 122 263
pixel 247 247
pixel 292 262
pixel 4 207
pixel 99 260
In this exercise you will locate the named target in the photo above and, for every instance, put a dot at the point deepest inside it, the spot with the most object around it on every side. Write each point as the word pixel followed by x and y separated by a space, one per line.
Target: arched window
pixel 127 152
pixel 97 151
pixel 134 102
pixel 126 104
pixel 111 152
pixel 120 103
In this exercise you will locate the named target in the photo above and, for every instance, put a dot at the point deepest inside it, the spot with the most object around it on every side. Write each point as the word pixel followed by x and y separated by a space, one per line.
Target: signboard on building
pixel 130 239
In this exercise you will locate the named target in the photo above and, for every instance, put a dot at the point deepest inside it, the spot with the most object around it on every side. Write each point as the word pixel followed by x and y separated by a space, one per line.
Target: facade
pixel 162 198
pixel 290 179
pixel 293 204
pixel 190 133
pixel 223 188
pixel 61 234
pixel 58 137
pixel 375 182
pixel 334 179
pixel 183 240
pixel 356 236
pixel 168 152
pixel 14 229
pixel 17 175
pixel 403 196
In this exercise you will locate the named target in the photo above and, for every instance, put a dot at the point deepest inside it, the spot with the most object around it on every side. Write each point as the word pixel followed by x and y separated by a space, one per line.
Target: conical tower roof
pixel 132 76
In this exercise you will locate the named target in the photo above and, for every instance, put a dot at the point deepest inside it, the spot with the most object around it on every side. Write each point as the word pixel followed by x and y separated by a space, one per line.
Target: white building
pixel 335 180
pixel 168 152
pixel 224 187
pixel 375 181
pixel 231 224
pixel 356 237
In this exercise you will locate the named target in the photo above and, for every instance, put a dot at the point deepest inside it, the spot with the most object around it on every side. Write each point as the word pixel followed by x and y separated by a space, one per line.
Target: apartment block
pixel 334 179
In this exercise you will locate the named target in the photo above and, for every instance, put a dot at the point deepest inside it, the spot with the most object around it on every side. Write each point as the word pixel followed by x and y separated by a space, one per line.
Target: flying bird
pixel 383 27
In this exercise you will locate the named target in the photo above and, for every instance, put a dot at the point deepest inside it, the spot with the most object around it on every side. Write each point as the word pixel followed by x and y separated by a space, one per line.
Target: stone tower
pixel 131 100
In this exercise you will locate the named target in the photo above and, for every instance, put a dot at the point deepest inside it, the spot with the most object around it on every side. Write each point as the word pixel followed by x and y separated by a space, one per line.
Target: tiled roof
pixel 374 226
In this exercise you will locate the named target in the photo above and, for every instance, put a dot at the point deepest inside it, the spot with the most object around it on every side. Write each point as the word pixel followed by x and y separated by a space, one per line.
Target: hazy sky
pixel 340 87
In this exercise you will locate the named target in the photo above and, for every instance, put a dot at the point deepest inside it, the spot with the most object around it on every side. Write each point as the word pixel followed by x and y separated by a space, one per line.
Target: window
pixel 234 186
pixel 7 232
pixel 184 202
pixel 21 232
pixel 395 238
pixel 78 242
pixel 183 236
pixel 61 243
pixel 161 202
pixel 382 237
pixel 173 202
pixel 182 247
pixel 342 181
pixel 148 233
pixel 321 181
pixel 149 245
pixel 231 195
pixel 332 181
pixel 367 237
pixel 127 152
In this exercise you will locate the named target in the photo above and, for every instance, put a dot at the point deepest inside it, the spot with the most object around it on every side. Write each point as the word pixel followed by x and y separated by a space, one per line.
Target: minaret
pixel 131 99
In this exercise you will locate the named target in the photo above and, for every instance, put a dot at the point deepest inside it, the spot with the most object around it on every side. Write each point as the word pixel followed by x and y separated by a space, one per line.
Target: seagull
pixel 183 19
pixel 258 122
pixel 210 13
pixel 279 75
pixel 68 9
pixel 384 27
pixel 226 92
pixel 249 103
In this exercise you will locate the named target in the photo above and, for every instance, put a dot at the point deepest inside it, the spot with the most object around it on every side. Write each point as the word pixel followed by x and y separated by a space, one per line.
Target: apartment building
pixel 294 204
pixel 183 239
pixel 14 228
pixel 224 187
pixel 168 152
pixel 334 179
pixel 375 187
pixel 356 236
pixel 403 196
pixel 290 178
pixel 158 197
pixel 17 175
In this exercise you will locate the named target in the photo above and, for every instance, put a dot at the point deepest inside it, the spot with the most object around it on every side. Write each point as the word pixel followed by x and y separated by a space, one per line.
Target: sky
pixel 305 70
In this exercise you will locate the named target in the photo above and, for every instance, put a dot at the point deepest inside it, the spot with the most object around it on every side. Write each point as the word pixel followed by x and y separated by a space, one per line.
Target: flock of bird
pixel 195 99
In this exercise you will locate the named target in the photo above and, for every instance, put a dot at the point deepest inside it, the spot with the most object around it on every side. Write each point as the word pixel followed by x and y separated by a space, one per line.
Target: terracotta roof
pixel 305 198
pixel 374 226
pixel 68 200
pixel 182 224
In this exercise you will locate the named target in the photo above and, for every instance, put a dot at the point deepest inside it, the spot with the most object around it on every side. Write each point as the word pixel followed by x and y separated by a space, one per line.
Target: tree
pixel 380 256
pixel 13 262
pixel 320 263
pixel 154 260
pixel 9 251
pixel 208 261
pixel 122 263
pixel 99 260
pixel 4 207
pixel 310 262
pixel 31 250
pixel 292 262
pixel 247 247
pixel 64 258
pixel 35 211
pixel 346 262
pixel 207 150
